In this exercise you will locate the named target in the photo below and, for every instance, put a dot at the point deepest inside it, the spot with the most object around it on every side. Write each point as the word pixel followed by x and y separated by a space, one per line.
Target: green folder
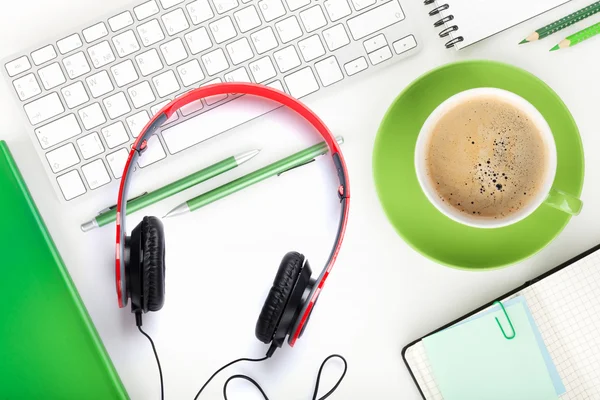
pixel 49 348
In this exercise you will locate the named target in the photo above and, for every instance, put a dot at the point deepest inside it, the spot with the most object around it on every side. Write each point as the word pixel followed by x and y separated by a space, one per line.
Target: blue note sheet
pixel 474 361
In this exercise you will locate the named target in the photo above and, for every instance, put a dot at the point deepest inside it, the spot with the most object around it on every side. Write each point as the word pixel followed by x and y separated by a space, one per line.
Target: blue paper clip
pixel 509 322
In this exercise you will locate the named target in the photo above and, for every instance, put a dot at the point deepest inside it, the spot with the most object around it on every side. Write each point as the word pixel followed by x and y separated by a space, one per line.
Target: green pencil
pixel 278 167
pixel 578 37
pixel 563 23
pixel 187 182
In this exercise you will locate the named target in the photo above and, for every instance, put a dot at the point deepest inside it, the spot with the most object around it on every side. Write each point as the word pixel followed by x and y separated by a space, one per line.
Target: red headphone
pixel 140 258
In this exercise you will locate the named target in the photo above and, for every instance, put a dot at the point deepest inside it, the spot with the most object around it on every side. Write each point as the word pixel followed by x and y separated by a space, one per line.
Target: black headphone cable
pixel 138 322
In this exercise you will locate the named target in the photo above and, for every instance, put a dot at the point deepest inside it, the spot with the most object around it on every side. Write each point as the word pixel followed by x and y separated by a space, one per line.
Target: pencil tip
pixel 524 41
pixel 557 47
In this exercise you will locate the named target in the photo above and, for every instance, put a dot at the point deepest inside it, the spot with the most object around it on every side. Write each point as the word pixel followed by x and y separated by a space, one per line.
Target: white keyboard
pixel 87 95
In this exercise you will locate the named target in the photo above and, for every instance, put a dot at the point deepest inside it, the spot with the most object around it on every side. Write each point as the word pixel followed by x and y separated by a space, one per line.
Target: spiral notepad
pixel 565 306
pixel 464 22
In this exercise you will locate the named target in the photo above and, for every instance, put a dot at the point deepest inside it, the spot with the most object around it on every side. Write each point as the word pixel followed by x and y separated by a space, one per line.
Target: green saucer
pixel 418 221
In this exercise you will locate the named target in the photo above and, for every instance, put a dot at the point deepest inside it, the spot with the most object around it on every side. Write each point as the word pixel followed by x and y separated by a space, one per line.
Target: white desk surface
pixel 221 260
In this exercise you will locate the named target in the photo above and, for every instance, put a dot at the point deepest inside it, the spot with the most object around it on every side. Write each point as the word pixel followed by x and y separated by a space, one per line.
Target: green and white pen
pixel 277 168
pixel 182 184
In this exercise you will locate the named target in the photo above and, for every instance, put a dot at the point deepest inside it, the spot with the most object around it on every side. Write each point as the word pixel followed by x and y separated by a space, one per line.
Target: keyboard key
pixel 166 83
pixel 329 71
pixel 95 174
pixel 75 95
pixel 43 55
pixel 17 66
pixel 301 83
pixel 200 11
pixel 44 108
pixel 239 51
pixel 220 119
pixel 141 94
pixel 288 29
pixel 190 72
pixel 157 107
pixel 99 84
pixel 101 54
pixel 214 99
pixel 62 158
pixel 238 75
pixel 76 65
pixel 116 162
pixel 90 145
pixel 375 19
pixel 198 40
pixel 146 10
pixel 337 9
pixel 277 85
pixel 215 62
pixel 311 48
pixel 170 3
pixel 336 37
pixel 115 135
pixel 247 19
pixel 223 6
pixel 120 21
pixel 173 51
pixel 264 40
pixel 58 131
pixel 362 4
pixel 95 32
pixel 375 43
pixel 126 43
pixel 287 59
pixel 175 22
pixel 296 4
pixel 262 69
pixel 27 87
pixel 51 76
pixel 71 185
pixel 69 43
pixel 124 73
pixel 313 18
pixel 150 33
pixel 116 105
pixel 137 122
pixel 149 62
pixel 271 9
pixel 191 108
pixel 154 152
pixel 222 29
pixel 380 55
pixel 92 116
pixel 404 44
pixel 355 66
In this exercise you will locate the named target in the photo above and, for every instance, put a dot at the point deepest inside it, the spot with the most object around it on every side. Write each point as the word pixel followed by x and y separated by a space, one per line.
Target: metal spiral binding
pixel 443 21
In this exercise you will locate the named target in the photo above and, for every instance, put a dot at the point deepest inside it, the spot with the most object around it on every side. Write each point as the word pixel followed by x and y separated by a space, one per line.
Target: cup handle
pixel 564 202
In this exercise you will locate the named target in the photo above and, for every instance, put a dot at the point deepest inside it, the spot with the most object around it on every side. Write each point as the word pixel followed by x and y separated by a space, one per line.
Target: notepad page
pixel 566 309
pixel 479 19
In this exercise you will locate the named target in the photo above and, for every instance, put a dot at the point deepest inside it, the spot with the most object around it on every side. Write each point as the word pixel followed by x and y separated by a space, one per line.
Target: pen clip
pixel 296 166
pixel 107 209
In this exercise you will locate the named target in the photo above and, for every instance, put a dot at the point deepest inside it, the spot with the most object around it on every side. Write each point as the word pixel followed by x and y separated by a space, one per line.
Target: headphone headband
pixel 266 92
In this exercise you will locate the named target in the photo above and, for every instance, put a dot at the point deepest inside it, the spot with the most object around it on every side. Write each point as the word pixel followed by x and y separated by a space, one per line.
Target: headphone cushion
pixel 153 264
pixel 283 285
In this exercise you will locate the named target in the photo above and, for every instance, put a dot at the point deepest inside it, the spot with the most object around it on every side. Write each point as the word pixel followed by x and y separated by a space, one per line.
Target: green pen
pixel 295 160
pixel 148 199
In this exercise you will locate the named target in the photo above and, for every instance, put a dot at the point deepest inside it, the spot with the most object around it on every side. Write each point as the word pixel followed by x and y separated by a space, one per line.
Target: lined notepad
pixel 566 309
pixel 465 22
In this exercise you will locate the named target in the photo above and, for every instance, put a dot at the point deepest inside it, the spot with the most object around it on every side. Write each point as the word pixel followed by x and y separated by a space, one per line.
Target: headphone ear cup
pixel 153 264
pixel 279 295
